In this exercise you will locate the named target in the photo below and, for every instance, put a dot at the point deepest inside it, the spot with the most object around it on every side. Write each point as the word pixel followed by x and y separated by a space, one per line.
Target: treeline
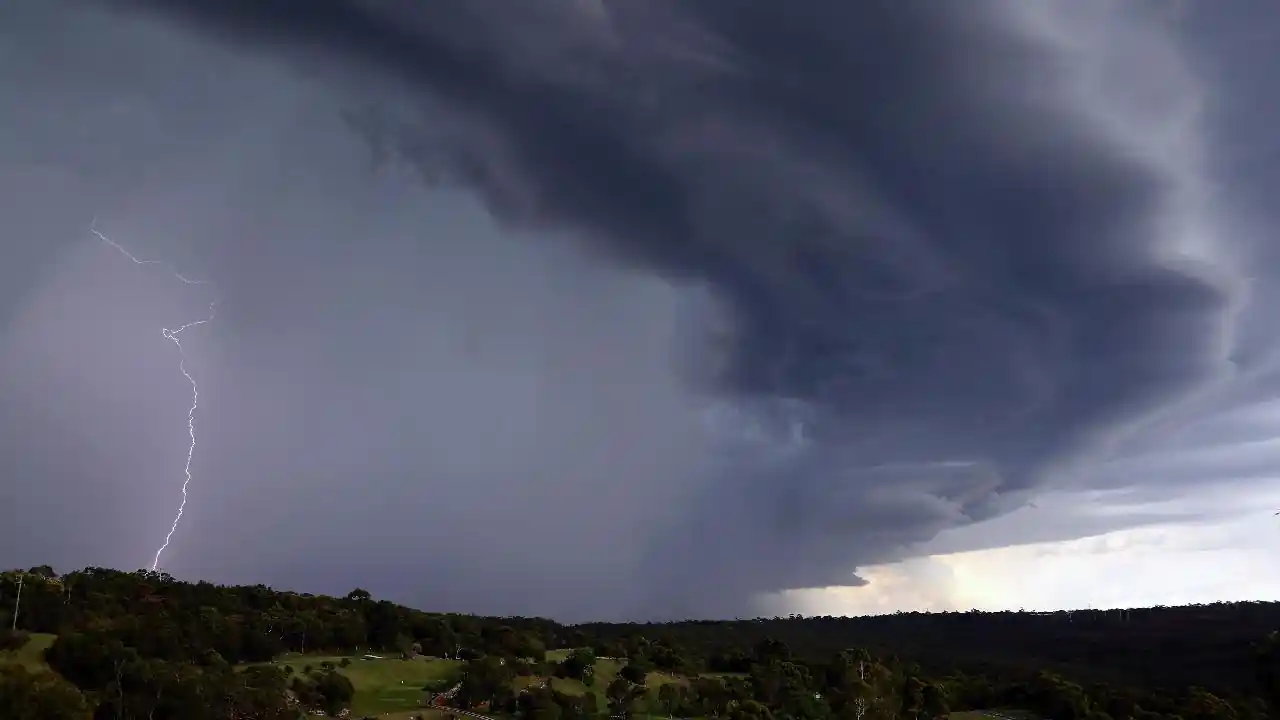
pixel 1160 647
pixel 143 645
pixel 170 620
pixel 850 685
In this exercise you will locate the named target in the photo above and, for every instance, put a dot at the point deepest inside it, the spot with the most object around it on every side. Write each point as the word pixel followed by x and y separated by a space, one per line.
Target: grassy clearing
pixel 569 686
pixel 426 713
pixel 524 682
pixel 392 685
pixel 607 669
pixel 656 680
pixel 30 655
pixel 389 685
pixel 605 672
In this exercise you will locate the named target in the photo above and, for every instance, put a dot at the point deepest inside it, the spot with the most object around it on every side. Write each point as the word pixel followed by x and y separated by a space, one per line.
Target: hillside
pixel 143 645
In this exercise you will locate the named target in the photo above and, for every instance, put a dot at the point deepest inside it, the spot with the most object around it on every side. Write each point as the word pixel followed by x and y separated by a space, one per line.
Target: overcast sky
pixel 647 308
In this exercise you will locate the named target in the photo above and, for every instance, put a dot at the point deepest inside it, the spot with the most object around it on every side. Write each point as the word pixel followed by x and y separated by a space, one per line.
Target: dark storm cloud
pixel 774 174
pixel 945 275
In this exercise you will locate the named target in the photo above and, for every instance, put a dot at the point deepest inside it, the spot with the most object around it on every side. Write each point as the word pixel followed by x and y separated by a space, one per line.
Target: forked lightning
pixel 172 335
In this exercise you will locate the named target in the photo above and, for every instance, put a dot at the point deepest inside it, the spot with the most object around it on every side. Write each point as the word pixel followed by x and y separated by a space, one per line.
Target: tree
pixel 750 710
pixel 13 639
pixel 912 697
pixel 335 691
pixel 619 695
pixel 1267 667
pixel 483 680
pixel 540 704
pixel 771 649
pixel 404 646
pixel 255 692
pixel 579 664
pixel 933 702
pixel 26 695
pixel 668 696
pixel 710 696
pixel 633 673
pixel 1204 705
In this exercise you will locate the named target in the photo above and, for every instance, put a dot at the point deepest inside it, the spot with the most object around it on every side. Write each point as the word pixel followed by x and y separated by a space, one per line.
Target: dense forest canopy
pixel 145 645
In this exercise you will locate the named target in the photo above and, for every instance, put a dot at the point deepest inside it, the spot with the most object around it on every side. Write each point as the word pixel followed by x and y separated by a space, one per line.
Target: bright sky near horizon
pixel 1160 565
pixel 1225 550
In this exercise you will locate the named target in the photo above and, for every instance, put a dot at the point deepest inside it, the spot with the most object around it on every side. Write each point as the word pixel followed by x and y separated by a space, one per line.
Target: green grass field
pixel 426 713
pixel 389 687
pixel 30 655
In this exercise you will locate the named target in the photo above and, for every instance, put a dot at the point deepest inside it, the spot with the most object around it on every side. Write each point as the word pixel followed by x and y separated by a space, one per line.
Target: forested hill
pixel 102 625
pixel 1206 645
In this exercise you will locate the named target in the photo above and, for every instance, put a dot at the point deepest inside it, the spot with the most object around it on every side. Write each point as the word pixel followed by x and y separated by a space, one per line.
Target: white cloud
pixel 1157 565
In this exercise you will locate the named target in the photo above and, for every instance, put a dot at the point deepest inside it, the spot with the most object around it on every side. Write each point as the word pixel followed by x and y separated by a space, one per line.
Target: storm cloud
pixel 753 294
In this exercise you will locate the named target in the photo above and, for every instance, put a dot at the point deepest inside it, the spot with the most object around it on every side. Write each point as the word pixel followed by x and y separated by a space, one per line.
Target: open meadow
pixel 31 655
pixel 388 686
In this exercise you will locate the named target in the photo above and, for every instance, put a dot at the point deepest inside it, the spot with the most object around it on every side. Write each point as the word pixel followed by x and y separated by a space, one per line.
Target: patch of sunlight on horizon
pixel 1141 567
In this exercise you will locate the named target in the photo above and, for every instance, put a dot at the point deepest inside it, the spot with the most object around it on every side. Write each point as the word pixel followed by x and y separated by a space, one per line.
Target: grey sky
pixel 624 308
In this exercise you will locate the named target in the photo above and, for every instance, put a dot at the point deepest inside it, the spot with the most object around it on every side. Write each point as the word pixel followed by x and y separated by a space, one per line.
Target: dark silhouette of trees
pixel 143 645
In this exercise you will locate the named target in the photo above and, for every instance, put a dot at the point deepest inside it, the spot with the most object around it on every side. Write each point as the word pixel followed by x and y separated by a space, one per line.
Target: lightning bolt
pixel 172 336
